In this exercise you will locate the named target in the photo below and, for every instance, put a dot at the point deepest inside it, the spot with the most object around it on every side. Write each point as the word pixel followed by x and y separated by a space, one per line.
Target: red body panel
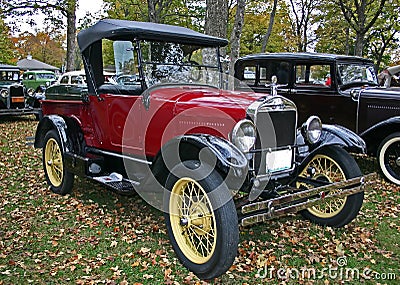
pixel 121 123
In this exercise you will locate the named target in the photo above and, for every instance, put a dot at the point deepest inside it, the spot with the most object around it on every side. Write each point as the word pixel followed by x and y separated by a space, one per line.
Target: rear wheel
pixel 201 219
pixel 59 179
pixel 333 164
pixel 389 157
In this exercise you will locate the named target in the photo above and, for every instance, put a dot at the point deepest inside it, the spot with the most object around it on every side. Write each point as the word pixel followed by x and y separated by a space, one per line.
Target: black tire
pixel 341 166
pixel 59 179
pixel 388 156
pixel 217 227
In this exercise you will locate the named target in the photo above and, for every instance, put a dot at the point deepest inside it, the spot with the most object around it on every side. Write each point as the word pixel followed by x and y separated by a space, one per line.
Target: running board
pixel 292 203
pixel 117 183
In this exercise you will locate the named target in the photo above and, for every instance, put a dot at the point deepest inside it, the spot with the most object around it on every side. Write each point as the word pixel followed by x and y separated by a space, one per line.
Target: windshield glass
pixel 9 76
pixel 45 76
pixel 178 63
pixel 356 73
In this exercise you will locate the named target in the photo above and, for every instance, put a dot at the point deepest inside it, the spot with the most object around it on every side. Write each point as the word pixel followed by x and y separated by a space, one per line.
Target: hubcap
pixel 326 169
pixel 54 164
pixel 192 220
pixel 398 161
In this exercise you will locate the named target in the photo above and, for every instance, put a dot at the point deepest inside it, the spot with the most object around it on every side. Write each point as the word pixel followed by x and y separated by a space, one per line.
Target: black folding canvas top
pixel 130 30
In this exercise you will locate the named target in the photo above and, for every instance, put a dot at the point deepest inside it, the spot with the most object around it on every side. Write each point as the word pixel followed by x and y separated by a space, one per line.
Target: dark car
pixel 339 89
pixel 14 99
pixel 188 147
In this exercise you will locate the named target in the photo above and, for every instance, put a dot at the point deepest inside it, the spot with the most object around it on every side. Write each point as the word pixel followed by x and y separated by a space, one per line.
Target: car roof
pixel 75 72
pixel 39 71
pixel 129 30
pixel 304 56
pixel 7 67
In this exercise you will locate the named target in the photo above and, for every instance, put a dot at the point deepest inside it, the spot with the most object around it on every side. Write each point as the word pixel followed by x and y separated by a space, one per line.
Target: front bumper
pixel 291 203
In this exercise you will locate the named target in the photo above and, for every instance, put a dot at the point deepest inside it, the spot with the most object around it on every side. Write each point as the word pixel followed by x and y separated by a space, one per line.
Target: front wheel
pixel 389 157
pixel 333 164
pixel 201 219
pixel 59 179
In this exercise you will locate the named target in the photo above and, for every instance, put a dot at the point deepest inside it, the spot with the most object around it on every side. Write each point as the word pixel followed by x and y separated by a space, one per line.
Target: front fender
pixel 332 135
pixel 215 151
pixel 374 135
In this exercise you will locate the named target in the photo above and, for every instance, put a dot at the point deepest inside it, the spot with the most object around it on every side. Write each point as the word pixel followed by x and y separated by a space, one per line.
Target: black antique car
pixel 14 100
pixel 341 90
pixel 188 147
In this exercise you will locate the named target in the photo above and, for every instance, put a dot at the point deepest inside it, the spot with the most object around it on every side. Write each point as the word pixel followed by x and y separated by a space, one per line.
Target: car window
pixel 46 76
pixel 64 80
pixel 357 73
pixel 317 75
pixel 77 79
pixel 249 75
pixel 280 69
pixel 166 62
pixel 9 76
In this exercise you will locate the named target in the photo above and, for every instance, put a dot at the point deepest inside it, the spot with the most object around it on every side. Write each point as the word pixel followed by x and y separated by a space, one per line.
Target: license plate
pixel 17 100
pixel 279 160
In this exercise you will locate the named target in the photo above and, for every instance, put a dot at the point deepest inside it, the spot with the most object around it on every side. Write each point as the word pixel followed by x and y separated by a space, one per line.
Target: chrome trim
pixel 99 151
pixel 269 102
pixel 273 104
pixel 292 203
pixel 306 127
pixel 233 134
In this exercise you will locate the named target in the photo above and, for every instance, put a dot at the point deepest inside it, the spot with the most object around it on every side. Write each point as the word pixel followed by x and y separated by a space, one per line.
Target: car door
pixel 315 92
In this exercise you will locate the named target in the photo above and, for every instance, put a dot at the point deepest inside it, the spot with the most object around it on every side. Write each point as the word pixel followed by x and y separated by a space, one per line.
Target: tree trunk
pixel 359 45
pixel 347 41
pixel 236 34
pixel 71 35
pixel 216 25
pixel 361 16
pixel 152 11
pixel 216 18
pixel 270 26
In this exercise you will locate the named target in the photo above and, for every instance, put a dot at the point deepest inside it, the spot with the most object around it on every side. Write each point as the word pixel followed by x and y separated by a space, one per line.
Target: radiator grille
pixel 275 129
pixel 16 91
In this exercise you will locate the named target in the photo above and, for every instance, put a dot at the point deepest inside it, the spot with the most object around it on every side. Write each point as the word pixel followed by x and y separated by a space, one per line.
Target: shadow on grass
pixel 14 119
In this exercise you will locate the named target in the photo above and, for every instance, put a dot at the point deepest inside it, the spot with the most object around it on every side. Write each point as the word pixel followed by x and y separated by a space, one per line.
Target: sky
pixel 88 6
pixel 92 6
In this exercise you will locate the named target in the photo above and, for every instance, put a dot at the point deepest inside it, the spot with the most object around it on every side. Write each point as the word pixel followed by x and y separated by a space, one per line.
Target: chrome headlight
pixel 30 92
pixel 312 129
pixel 4 93
pixel 243 135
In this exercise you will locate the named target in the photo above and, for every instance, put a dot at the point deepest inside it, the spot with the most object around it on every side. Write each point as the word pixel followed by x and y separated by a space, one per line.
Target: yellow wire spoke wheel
pixel 193 220
pixel 328 170
pixel 57 175
pixel 53 162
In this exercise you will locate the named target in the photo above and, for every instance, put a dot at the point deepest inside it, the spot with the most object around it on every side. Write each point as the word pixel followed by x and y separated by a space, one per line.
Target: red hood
pixel 234 103
pixel 199 109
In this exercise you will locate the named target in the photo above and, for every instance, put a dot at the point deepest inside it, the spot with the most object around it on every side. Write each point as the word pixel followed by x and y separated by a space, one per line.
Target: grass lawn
pixel 94 236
